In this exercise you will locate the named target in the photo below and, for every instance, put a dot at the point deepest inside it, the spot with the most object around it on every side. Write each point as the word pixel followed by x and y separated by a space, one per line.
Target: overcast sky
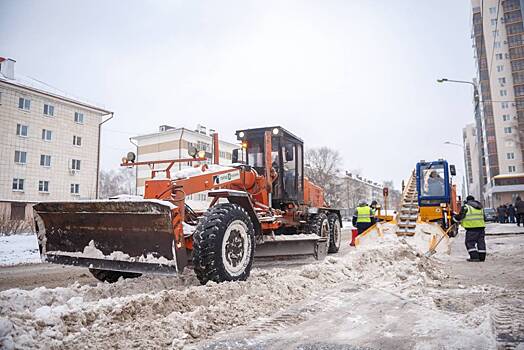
pixel 357 76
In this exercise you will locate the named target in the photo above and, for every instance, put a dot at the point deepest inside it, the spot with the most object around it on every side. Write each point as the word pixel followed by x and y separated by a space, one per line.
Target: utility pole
pixel 478 126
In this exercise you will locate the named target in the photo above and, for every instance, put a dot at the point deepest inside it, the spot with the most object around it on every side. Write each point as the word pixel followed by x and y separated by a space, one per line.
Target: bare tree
pixel 115 182
pixel 322 167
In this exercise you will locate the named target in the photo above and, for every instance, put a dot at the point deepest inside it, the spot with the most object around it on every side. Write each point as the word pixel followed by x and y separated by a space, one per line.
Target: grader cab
pixel 261 206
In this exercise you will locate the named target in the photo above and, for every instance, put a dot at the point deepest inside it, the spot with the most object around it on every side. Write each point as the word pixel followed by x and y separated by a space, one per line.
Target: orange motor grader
pixel 262 206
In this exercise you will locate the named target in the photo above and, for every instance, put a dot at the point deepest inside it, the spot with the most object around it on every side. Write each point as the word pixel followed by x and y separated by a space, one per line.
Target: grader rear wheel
pixel 224 244
pixel 335 233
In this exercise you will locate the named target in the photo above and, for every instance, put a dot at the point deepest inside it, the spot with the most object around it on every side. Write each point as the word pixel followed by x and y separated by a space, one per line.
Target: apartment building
pixel 173 143
pixel 498 38
pixel 354 188
pixel 49 144
pixel 471 159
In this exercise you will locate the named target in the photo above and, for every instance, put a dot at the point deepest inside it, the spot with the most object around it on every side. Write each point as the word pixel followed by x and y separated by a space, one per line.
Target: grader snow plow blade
pixel 292 246
pixel 130 236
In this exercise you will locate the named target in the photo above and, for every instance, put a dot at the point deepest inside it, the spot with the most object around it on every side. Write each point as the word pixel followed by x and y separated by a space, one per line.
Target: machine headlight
pixel 201 154
pixel 275 131
pixel 131 157
pixel 241 134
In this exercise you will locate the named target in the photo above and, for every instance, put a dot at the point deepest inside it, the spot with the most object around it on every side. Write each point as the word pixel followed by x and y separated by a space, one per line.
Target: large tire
pixel 112 276
pixel 335 233
pixel 224 244
pixel 319 225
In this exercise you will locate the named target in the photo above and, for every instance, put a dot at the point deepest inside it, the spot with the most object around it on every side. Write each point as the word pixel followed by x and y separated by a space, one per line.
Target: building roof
pixel 173 131
pixel 43 88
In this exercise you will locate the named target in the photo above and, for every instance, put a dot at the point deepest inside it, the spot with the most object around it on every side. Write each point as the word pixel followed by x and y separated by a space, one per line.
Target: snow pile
pixel 19 249
pixel 91 251
pixel 167 311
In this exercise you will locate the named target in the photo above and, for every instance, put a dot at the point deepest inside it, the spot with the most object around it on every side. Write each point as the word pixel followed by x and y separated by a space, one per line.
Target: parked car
pixel 490 214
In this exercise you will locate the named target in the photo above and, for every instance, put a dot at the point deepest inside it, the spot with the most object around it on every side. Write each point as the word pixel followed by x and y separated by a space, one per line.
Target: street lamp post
pixel 478 124
pixel 465 183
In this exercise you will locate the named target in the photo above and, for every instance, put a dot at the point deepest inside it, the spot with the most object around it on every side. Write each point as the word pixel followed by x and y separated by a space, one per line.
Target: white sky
pixel 357 76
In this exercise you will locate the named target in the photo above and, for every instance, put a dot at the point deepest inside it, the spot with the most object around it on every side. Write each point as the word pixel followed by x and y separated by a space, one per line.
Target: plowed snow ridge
pixel 172 312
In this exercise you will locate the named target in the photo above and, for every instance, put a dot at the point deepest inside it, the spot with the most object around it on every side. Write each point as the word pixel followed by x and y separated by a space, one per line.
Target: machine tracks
pixel 508 321
pixel 407 219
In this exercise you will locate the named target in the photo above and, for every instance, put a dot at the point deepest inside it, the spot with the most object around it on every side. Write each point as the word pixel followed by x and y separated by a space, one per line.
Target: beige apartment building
pixel 49 144
pixel 471 156
pixel 498 39
pixel 173 143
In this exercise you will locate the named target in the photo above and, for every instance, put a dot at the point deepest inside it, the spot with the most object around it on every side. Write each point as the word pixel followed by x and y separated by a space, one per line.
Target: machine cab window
pixel 286 161
pixel 432 182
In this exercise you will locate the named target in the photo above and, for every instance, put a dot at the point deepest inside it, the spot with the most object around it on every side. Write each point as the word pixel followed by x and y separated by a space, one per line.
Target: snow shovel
pixel 433 250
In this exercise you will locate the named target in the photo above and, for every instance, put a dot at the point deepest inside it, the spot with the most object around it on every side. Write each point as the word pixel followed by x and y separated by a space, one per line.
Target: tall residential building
pixel 49 144
pixel 173 143
pixel 498 35
pixel 471 158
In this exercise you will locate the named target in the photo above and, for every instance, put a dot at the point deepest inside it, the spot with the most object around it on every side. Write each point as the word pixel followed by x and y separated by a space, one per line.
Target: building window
pixel 502 81
pixel 510 155
pixel 511 169
pixel 498 56
pixel 77 140
pixel 495 33
pixel 45 160
pixel 47 135
pixel 21 130
pixel 24 103
pixel 493 10
pixel 43 186
pixel 493 21
pixel 506 55
pixel 504 105
pixel 503 93
pixel 505 117
pixel 79 118
pixel 500 68
pixel 20 157
pixel 75 164
pixel 75 189
pixel 496 44
pixel 507 130
pixel 18 184
pixel 49 110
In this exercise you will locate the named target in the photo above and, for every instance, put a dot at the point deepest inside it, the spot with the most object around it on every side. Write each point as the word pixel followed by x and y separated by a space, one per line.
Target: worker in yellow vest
pixel 471 217
pixel 363 217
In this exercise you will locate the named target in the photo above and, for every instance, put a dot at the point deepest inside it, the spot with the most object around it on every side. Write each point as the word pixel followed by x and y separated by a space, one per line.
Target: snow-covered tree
pixel 115 182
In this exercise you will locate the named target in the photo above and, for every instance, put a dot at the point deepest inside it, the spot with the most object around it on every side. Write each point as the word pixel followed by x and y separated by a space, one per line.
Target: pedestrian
pixel 505 213
pixel 501 213
pixel 511 214
pixel 363 217
pixel 519 207
pixel 471 217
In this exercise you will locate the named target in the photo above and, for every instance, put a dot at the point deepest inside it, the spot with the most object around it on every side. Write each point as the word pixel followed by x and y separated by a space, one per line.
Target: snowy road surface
pixel 381 295
pixel 19 249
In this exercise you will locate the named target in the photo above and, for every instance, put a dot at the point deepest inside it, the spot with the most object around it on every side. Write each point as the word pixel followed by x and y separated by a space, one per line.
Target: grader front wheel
pixel 224 244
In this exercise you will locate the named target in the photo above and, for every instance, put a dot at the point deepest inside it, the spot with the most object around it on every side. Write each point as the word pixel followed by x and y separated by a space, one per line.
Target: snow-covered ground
pixel 19 249
pixel 384 294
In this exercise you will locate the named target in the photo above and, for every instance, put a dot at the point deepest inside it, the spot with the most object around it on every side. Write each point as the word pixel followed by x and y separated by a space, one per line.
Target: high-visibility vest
pixel 364 214
pixel 474 218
